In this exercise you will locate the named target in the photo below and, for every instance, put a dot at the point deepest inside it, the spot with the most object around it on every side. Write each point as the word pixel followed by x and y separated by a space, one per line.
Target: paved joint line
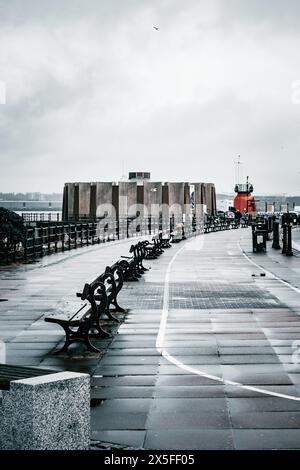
pixel 163 325
pixel 165 309
pixel 286 283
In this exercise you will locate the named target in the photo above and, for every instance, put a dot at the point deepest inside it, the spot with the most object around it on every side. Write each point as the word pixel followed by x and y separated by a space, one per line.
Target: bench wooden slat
pixel 71 312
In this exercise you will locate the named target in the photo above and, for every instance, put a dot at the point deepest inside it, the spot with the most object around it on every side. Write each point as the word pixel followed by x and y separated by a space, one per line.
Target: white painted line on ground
pixel 161 335
pixel 268 272
pixel 165 310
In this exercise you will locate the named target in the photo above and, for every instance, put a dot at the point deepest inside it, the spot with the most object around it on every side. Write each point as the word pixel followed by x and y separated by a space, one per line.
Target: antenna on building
pixel 238 170
pixel 123 177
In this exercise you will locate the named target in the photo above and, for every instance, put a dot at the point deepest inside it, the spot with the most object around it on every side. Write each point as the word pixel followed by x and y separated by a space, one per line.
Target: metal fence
pixel 44 238
pixel 41 216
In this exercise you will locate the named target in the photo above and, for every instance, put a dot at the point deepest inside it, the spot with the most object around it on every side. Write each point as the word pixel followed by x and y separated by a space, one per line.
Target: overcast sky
pixel 91 83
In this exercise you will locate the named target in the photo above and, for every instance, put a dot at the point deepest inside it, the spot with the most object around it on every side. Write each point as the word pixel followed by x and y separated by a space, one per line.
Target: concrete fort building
pixel 138 197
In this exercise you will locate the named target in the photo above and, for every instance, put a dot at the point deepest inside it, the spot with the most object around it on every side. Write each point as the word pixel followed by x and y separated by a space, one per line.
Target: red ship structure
pixel 244 201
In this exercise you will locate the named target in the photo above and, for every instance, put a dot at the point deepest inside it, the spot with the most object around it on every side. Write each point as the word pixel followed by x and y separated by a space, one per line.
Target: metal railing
pixel 44 238
pixel 41 216
pixel 216 225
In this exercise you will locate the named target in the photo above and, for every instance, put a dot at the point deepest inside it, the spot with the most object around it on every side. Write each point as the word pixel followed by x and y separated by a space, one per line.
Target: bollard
pixel 267 224
pixel 284 238
pixel 50 412
pixel 289 248
pixel 259 238
pixel 276 244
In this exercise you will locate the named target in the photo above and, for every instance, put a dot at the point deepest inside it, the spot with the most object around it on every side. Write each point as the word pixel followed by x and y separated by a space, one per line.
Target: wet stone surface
pixel 224 322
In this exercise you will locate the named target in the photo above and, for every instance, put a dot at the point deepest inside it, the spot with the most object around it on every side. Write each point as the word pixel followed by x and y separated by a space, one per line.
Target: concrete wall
pixel 176 193
pixel 173 204
pixel 84 199
pixel 197 194
pixel 187 199
pixel 50 412
pixel 210 198
pixel 203 193
pixel 68 200
pixel 176 198
pixel 127 199
pixel 153 197
pixel 198 200
pixel 65 203
pixel 104 199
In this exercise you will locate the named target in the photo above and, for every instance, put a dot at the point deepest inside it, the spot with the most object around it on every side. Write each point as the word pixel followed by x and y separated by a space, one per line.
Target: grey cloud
pixel 90 84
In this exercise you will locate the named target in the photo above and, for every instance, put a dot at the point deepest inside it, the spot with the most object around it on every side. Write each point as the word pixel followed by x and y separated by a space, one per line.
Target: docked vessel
pixel 244 201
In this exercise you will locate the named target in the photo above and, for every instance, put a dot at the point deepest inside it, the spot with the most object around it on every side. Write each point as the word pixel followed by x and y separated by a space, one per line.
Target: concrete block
pixel 48 412
pixel 84 199
pixel 153 198
pixel 127 199
pixel 104 200
pixel 68 201
pixel 210 198
pixel 176 201
pixel 199 200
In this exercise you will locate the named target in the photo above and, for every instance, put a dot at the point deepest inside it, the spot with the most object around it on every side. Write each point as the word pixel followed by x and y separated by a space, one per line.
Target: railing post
pixel 93 231
pixel 55 238
pixel 25 245
pixel 87 234
pixel 75 235
pixel 33 243
pixel 276 244
pixel 289 248
pixel 69 237
pixel 49 239
pixel 284 238
pixel 63 237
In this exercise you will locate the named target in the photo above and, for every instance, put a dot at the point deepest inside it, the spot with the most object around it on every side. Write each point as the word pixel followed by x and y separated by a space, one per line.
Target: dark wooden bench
pixel 129 266
pixel 78 321
pixel 165 240
pixel 82 321
pixel 154 249
pixel 8 373
pixel 157 241
pixel 132 266
pixel 113 281
pixel 140 254
pixel 178 233
pixel 150 250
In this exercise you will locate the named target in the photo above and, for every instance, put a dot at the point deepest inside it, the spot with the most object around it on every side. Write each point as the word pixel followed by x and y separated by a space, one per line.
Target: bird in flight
pixel 155 27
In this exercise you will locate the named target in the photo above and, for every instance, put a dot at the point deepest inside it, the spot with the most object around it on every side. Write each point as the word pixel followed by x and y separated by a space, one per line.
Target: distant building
pixel 137 196
pixel 34 206
pixel 139 176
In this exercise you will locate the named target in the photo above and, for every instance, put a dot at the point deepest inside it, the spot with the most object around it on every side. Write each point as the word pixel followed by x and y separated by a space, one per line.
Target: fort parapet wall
pixel 96 200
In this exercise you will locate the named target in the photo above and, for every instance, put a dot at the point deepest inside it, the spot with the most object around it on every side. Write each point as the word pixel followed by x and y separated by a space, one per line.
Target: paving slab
pixel 189 439
pixel 266 439
pixel 123 439
pixel 222 323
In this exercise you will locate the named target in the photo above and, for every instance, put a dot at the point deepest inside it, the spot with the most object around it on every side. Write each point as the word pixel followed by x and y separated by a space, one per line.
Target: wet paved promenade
pixel 204 357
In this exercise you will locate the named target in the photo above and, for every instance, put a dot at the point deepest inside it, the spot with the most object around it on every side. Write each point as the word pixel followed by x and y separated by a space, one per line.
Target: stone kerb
pixel 48 412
